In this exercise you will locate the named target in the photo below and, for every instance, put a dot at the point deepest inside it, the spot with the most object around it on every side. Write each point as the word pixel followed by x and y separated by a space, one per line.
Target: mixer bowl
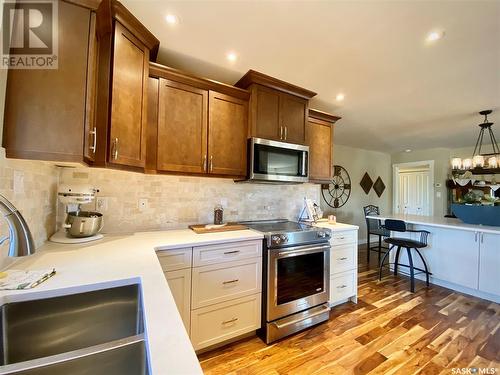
pixel 83 223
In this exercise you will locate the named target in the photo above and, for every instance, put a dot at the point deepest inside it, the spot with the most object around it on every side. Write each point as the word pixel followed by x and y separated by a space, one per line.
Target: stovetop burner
pixel 285 233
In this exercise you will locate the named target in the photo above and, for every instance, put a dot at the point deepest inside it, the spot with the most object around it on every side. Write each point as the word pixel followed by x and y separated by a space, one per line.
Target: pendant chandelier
pixel 481 163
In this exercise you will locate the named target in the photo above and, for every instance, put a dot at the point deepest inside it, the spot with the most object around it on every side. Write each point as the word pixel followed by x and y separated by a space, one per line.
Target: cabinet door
pixel 180 286
pixel 128 101
pixel 319 139
pixel 489 263
pixel 265 113
pixel 227 135
pixel 293 117
pixel 45 108
pixel 182 128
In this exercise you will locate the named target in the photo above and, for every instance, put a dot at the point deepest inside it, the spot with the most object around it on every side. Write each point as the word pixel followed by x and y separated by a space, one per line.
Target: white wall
pixel 358 161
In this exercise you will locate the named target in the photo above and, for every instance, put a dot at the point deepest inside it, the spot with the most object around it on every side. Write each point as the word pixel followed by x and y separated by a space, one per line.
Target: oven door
pixel 298 278
pixel 278 161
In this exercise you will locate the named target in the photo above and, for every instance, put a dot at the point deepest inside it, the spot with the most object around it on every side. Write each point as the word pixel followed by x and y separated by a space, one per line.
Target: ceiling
pixel 401 92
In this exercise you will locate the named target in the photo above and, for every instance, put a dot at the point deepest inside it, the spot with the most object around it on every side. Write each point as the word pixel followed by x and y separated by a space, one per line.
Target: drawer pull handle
pixel 342 287
pixel 230 281
pixel 343 258
pixel 341 238
pixel 232 252
pixel 230 321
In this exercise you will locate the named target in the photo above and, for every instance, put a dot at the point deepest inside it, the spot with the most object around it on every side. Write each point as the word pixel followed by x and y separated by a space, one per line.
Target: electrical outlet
pixel 142 204
pixel 438 194
pixel 102 204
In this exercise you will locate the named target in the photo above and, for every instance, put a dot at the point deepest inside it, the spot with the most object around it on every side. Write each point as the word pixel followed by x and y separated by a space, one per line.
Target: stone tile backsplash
pixel 31 186
pixel 176 201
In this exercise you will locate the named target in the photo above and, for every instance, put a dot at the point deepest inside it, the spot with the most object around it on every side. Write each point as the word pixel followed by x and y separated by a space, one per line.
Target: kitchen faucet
pixel 21 241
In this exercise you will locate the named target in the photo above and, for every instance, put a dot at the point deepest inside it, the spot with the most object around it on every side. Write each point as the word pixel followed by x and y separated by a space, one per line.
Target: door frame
pixel 409 165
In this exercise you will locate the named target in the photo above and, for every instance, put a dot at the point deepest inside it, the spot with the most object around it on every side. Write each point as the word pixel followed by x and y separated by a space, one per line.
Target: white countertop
pixel 337 227
pixel 124 259
pixel 442 222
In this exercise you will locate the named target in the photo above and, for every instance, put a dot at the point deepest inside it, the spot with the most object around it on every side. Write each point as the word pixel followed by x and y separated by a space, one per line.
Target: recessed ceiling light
pixel 340 97
pixel 232 56
pixel 408 150
pixel 171 19
pixel 435 35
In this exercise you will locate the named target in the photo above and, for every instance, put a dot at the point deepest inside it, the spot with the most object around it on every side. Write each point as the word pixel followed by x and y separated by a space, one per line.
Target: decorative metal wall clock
pixel 338 191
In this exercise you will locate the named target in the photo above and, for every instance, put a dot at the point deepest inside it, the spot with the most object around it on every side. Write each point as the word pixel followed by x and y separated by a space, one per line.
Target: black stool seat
pixel 409 244
pixel 405 242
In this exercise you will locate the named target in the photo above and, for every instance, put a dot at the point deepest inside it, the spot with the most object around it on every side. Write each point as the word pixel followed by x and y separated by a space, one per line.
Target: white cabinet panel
pixel 342 286
pixel 227 252
pixel 342 258
pixel 172 260
pixel 180 285
pixel 222 282
pixel 489 263
pixel 213 324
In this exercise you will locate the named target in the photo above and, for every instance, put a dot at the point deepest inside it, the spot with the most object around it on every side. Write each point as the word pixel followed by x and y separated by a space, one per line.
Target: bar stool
pixel 374 227
pixel 396 242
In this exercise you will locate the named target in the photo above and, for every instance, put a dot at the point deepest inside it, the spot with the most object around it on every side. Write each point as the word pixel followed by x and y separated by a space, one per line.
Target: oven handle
pixel 324 310
pixel 299 251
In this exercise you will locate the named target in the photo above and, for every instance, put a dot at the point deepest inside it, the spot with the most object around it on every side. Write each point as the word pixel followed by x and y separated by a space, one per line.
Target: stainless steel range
pixel 295 277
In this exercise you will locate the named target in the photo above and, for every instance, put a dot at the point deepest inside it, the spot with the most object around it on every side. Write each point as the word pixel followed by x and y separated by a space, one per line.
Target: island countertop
pixel 437 221
pixel 120 260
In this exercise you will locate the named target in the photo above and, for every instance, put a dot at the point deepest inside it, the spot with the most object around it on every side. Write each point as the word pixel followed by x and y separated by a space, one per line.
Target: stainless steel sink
pixel 96 332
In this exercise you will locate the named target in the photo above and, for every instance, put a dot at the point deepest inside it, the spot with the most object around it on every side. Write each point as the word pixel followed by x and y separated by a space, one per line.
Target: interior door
pixel 293 118
pixel 227 135
pixel 413 195
pixel 182 128
pixel 128 107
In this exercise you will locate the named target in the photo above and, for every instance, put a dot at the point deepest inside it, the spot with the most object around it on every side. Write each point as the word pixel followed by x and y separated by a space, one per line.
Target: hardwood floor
pixel 389 331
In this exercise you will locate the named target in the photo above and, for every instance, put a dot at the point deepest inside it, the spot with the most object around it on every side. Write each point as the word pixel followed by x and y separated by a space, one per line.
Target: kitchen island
pixel 462 257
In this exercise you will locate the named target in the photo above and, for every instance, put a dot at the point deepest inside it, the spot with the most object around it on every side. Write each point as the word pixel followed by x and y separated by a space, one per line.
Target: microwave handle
pixel 303 168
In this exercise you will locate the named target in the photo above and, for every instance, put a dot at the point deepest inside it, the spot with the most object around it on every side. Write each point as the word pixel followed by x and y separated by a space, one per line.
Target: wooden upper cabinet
pixel 278 109
pixel 46 109
pixel 125 48
pixel 265 113
pixel 227 135
pixel 319 137
pixel 293 115
pixel 128 103
pixel 182 128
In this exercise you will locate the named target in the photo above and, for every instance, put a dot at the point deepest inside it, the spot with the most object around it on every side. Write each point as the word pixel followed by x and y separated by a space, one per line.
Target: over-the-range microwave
pixel 280 162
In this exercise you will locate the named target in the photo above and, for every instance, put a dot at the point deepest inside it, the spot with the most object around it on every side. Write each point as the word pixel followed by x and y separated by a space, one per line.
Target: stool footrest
pixel 404 265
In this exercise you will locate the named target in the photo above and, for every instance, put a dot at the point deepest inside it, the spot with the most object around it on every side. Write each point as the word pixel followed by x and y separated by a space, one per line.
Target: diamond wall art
pixel 379 186
pixel 366 183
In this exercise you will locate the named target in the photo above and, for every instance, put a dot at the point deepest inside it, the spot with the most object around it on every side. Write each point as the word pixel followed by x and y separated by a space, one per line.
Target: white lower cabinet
pixel 344 267
pixel 180 285
pixel 223 321
pixel 489 263
pixel 217 289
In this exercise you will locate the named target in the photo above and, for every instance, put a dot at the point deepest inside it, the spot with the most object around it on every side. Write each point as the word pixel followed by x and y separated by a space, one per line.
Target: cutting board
pixel 201 228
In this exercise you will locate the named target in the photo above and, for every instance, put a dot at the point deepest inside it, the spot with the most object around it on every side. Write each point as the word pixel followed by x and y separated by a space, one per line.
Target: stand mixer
pixel 78 226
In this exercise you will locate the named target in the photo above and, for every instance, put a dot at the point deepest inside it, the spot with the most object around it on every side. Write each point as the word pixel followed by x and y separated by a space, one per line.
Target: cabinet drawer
pixel 342 258
pixel 222 282
pixel 217 323
pixel 204 255
pixel 342 286
pixel 172 260
pixel 344 237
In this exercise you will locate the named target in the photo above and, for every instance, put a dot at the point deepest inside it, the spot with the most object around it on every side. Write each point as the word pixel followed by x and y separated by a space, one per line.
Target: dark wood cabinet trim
pixel 161 71
pixel 320 115
pixel 90 4
pixel 253 76
pixel 112 9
